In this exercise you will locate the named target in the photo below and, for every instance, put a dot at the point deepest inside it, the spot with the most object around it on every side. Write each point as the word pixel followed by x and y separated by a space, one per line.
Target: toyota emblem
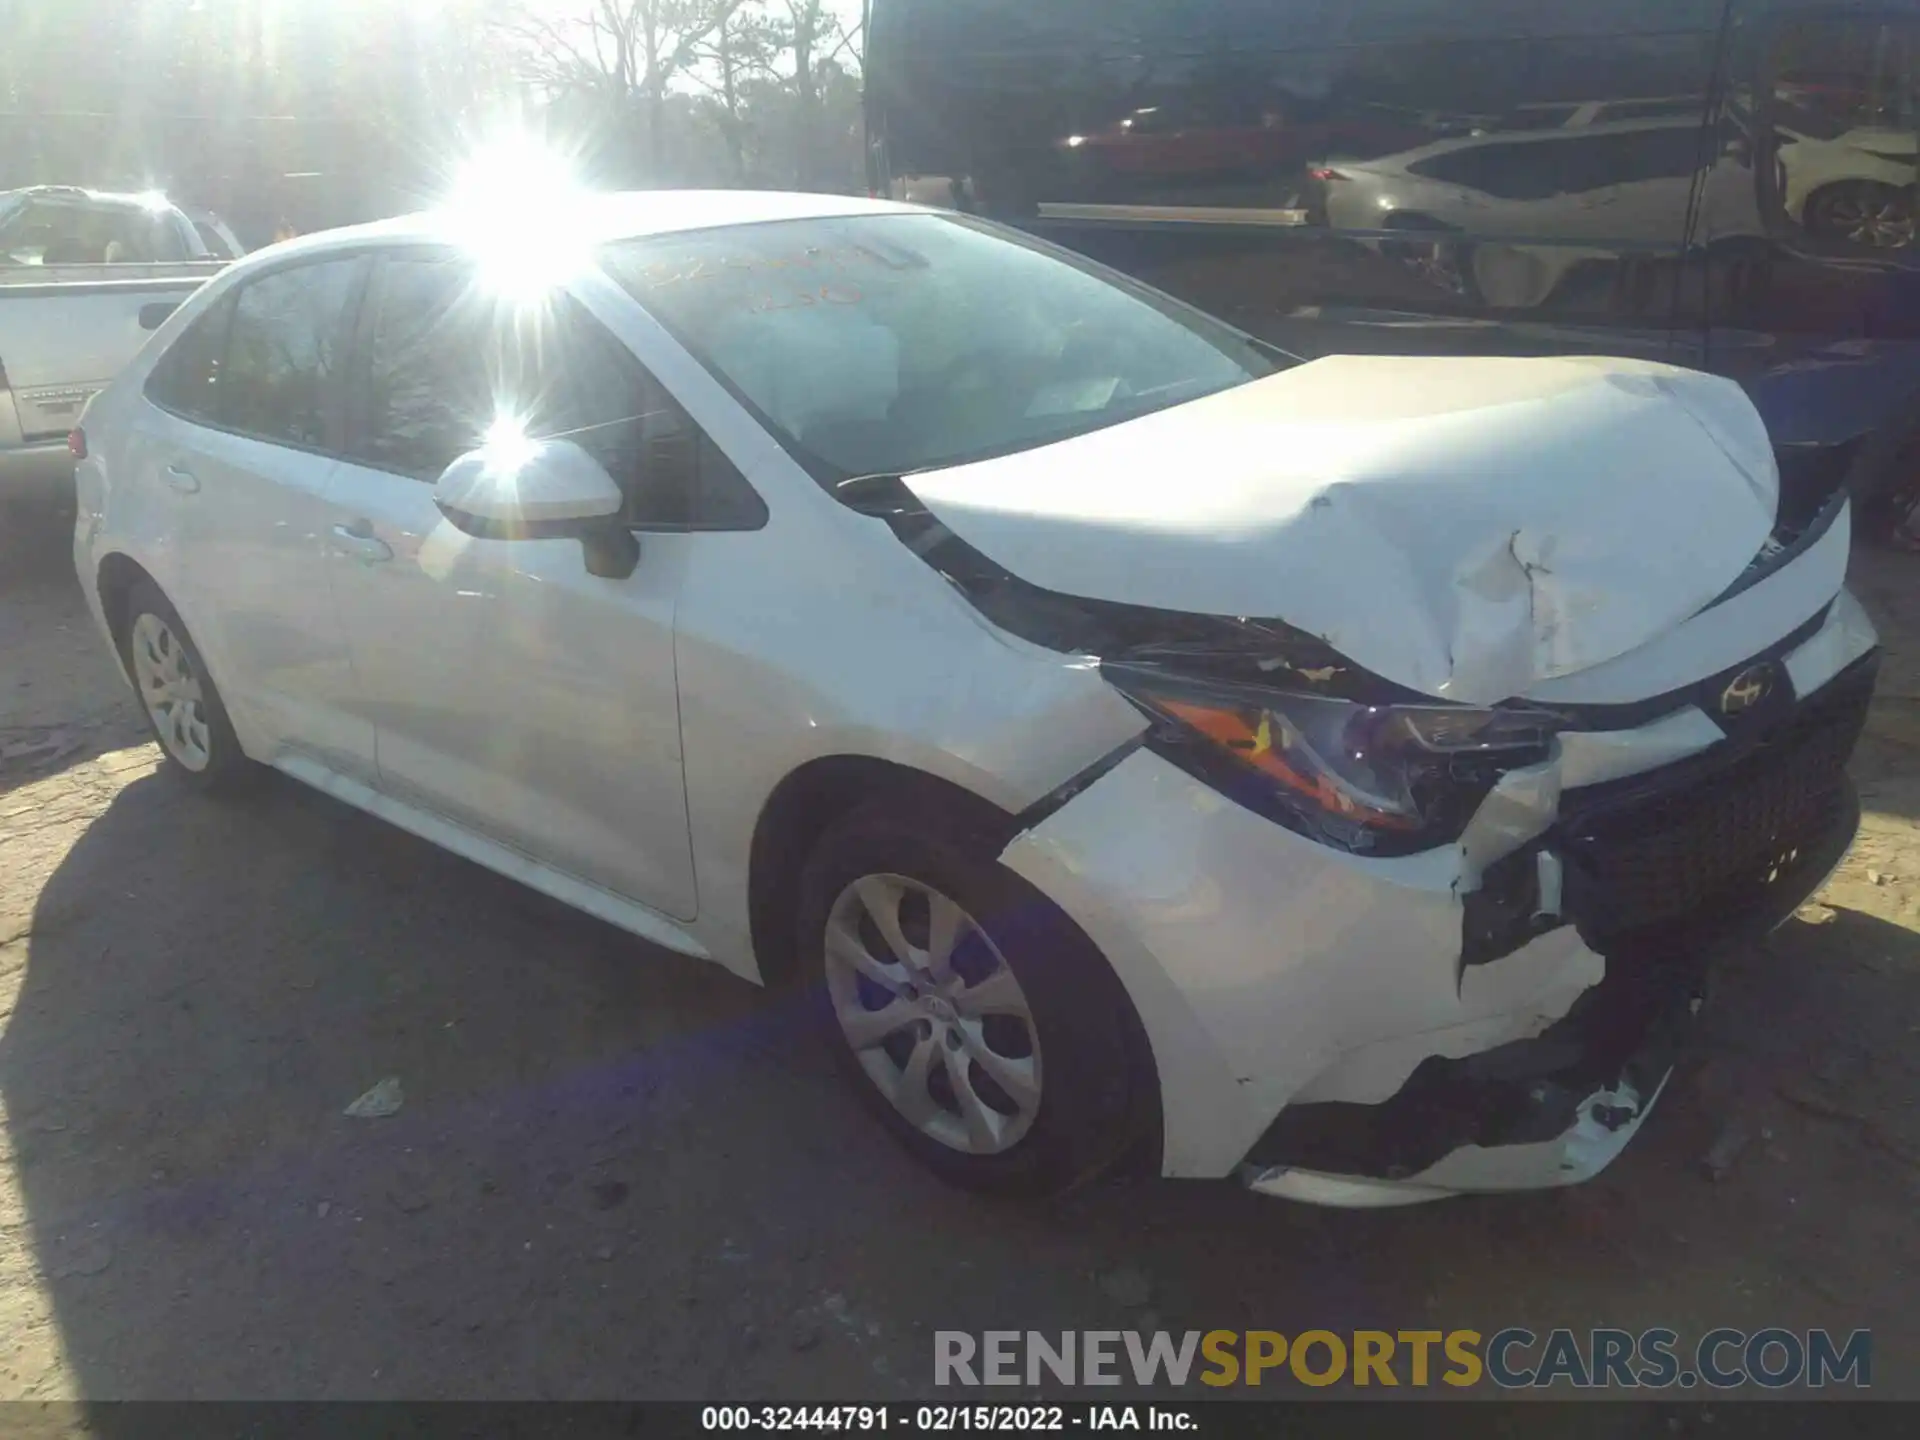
pixel 1748 689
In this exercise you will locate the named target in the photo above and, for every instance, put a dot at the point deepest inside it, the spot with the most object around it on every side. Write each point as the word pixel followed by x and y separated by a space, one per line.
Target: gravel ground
pixel 620 1173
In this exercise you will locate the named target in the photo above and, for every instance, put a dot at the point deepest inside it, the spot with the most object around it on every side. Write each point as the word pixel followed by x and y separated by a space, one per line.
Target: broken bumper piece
pixel 1524 1116
pixel 1606 1121
pixel 1548 1111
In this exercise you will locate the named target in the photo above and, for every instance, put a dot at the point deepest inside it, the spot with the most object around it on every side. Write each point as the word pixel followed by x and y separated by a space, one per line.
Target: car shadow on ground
pixel 618 1173
pixel 61 701
pixel 1888 764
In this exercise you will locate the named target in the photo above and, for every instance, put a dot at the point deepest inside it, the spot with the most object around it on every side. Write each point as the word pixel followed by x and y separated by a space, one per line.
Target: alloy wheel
pixel 1882 220
pixel 933 1013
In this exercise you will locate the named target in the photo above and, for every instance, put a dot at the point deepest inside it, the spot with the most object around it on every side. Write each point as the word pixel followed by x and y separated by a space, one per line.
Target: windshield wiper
pixel 883 494
pixel 886 497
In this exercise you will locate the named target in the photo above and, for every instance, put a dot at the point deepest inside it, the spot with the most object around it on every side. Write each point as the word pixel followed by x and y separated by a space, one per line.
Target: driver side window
pixel 445 364
pixel 427 378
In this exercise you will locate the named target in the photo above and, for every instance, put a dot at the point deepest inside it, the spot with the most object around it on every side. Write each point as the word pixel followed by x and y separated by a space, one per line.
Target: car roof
pixel 625 215
pixel 138 200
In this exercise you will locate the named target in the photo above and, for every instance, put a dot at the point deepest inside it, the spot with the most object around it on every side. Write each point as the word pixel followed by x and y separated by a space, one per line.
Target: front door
pixel 510 691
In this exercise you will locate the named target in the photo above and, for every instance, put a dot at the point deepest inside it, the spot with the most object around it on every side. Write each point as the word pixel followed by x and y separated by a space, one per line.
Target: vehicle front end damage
pixel 1497 1012
pixel 1650 874
pixel 1419 896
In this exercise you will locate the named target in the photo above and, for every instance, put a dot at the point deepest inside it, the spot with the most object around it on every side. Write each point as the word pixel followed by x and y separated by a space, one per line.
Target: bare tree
pixel 809 26
pixel 812 32
pixel 622 51
pixel 466 67
pixel 740 50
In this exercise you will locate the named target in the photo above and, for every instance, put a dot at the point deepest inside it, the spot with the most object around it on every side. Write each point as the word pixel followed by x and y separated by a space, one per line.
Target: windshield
pixel 886 344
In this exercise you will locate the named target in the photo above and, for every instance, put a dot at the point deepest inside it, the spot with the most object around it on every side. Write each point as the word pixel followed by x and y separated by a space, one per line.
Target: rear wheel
pixel 183 709
pixel 1863 212
pixel 1445 261
pixel 978 1023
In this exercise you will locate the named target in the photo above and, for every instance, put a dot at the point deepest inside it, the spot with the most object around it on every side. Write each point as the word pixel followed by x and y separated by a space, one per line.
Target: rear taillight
pixel 77 443
pixel 1323 174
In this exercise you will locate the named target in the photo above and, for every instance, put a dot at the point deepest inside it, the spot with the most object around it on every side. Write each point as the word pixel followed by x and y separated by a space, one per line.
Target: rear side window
pixel 187 379
pixel 284 347
pixel 1505 171
pixel 1573 163
pixel 1666 153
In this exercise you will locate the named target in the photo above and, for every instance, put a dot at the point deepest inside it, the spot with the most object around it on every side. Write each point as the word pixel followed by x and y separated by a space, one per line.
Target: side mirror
pixel 153 316
pixel 540 490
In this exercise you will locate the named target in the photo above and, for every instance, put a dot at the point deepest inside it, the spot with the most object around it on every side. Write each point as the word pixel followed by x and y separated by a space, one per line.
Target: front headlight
pixel 1388 779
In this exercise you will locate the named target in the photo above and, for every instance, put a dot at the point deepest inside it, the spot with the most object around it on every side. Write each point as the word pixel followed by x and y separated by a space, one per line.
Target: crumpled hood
pixel 1464 527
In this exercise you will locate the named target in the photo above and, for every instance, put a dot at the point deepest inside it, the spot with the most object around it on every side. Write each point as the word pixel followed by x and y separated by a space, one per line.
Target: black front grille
pixel 1712 834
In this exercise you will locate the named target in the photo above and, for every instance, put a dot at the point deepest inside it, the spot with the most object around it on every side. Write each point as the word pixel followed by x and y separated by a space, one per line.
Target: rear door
pixel 511 692
pixel 240 435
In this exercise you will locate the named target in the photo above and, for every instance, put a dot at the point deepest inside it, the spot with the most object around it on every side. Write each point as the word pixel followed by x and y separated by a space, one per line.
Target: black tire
pixel 1884 483
pixel 227 769
pixel 1092 1096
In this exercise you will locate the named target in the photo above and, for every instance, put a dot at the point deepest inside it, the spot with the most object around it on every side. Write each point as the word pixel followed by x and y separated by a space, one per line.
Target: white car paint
pixel 1185 892
pixel 567 484
pixel 1393 184
pixel 245 515
pixel 360 643
pixel 1880 155
pixel 1575 225
pixel 1466 527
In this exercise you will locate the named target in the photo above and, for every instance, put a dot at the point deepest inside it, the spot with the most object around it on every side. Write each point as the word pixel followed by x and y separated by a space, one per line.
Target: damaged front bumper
pixel 1555 1109
pixel 1497 1015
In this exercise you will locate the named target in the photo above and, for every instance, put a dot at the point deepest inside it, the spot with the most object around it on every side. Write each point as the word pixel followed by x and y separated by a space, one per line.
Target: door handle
pixel 182 480
pixel 358 541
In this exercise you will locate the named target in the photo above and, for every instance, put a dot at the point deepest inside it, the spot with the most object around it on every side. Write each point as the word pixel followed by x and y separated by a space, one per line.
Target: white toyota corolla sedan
pixel 1335 774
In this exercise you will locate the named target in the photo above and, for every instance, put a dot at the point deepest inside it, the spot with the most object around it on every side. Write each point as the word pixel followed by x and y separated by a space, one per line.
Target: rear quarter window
pixel 187 378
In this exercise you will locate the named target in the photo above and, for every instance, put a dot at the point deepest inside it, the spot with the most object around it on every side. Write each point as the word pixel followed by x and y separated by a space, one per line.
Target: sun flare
pixel 515 205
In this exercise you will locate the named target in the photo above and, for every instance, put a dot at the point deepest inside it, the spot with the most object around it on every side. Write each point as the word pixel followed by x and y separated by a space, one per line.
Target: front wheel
pixel 978 1023
pixel 182 707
